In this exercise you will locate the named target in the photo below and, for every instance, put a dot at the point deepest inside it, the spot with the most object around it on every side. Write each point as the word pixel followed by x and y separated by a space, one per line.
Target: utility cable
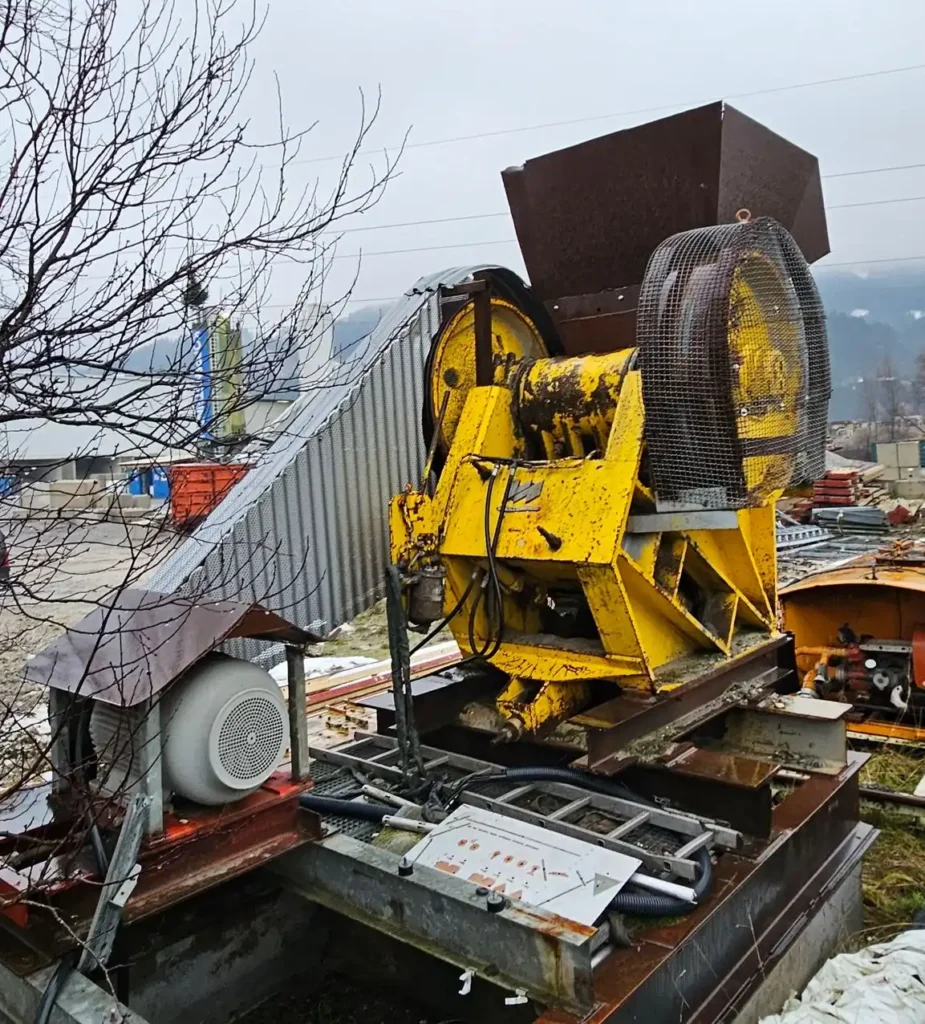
pixel 685 103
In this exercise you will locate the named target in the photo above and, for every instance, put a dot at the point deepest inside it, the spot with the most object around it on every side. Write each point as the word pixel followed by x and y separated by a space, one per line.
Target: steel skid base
pixel 732 761
pixel 769 771
pixel 703 967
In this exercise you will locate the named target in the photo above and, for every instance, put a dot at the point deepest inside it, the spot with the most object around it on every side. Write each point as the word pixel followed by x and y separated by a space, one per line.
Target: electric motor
pixel 224 729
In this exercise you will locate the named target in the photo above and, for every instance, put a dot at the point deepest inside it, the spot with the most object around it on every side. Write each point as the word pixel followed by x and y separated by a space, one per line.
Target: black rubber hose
pixel 650 904
pixel 348 808
pixel 570 776
pixel 642 904
pixel 50 996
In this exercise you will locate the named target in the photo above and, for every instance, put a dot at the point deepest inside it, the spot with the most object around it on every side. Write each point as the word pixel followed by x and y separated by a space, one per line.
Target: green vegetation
pixel 894 869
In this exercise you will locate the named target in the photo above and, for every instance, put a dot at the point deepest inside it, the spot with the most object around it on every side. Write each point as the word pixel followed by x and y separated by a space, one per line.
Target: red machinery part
pixel 918 657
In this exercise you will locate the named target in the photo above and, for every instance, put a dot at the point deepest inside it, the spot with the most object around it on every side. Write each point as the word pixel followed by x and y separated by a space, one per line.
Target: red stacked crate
pixel 837 487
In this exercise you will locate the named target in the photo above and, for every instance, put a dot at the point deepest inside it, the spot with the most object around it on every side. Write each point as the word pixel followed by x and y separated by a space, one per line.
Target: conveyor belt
pixel 305 532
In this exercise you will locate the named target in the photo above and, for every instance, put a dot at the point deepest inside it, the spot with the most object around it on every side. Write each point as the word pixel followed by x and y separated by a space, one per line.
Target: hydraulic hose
pixel 640 904
pixel 570 776
pixel 348 808
pixel 62 972
pixel 650 904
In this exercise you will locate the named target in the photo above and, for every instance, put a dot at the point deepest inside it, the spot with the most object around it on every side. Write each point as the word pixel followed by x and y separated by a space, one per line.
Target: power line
pixel 624 113
pixel 875 170
pixel 434 220
pixel 877 202
pixel 825 266
pixel 508 241
pixel 864 263
pixel 507 213
pixel 513 241
pixel 421 248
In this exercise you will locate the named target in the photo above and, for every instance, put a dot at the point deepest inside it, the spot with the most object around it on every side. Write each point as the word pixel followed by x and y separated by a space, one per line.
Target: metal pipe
pixel 407 824
pixel 298 720
pixel 887 796
pixel 386 797
pixel 600 956
pixel 680 892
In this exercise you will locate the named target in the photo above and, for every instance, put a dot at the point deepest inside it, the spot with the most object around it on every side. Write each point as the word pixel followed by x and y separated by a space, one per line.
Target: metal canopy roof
pixel 138 642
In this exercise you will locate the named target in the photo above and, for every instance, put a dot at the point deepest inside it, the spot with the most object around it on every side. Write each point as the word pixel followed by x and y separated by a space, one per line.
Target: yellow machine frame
pixel 659 586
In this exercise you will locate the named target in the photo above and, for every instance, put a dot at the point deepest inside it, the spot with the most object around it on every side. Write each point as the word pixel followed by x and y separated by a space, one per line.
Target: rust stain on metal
pixel 554 925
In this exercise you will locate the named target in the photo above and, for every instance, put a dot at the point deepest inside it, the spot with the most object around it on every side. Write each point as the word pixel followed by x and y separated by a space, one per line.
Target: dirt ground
pixel 368 635
pixel 59 569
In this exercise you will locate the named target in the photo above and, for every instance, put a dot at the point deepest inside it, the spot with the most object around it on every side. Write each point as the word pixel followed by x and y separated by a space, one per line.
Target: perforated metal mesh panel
pixel 735 369
pixel 251 738
pixel 332 780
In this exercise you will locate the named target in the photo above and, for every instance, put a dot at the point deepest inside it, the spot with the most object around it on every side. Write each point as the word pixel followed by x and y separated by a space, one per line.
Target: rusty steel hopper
pixel 588 217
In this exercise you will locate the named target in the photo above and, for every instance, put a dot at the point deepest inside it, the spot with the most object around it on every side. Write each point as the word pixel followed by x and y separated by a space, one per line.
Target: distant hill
pixel 871 317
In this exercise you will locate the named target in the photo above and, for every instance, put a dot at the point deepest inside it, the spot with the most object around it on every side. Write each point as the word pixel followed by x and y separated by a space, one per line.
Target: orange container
pixel 197 487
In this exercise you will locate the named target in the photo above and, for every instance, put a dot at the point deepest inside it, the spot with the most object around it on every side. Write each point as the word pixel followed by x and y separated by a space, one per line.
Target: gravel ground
pixel 59 569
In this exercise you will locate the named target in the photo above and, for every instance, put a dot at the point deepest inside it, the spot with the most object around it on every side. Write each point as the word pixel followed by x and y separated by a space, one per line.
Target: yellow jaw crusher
pixel 598 516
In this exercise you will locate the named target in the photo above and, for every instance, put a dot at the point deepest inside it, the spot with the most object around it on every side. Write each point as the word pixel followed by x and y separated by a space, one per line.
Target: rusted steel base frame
pixel 609 727
pixel 773 659
pixel 707 960
pixel 173 869
pixel 731 995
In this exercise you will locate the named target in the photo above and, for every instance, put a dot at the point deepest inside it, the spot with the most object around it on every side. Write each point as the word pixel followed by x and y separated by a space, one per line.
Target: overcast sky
pixel 449 69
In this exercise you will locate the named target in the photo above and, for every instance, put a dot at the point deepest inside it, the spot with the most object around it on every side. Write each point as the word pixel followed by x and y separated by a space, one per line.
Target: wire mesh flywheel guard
pixel 735 366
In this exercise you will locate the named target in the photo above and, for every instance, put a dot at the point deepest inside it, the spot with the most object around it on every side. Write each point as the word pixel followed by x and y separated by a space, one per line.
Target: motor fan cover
pixel 226 730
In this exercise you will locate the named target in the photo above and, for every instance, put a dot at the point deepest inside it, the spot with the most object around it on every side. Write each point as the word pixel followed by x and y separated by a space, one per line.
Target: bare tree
pixel 918 384
pixel 129 180
pixel 130 173
pixel 870 396
pixel 891 397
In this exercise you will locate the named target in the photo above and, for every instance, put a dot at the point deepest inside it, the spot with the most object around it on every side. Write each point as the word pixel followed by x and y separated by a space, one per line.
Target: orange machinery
pixel 859 632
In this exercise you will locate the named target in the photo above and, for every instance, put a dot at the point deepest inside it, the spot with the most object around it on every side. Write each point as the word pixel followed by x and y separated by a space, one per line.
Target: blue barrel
pixel 160 484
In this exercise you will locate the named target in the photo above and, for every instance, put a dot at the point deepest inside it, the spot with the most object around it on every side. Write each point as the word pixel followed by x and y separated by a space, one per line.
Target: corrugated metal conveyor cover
pixel 305 533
